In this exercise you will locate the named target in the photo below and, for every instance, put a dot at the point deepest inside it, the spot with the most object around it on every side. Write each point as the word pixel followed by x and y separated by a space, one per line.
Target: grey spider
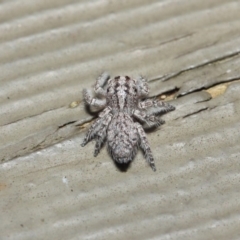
pixel 124 116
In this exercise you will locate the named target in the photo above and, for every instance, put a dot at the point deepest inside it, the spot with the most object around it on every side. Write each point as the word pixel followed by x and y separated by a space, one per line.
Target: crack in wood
pixel 209 86
pixel 173 75
pixel 194 113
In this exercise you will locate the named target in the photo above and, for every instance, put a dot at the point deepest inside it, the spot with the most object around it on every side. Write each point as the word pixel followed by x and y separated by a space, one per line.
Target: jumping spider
pixel 124 116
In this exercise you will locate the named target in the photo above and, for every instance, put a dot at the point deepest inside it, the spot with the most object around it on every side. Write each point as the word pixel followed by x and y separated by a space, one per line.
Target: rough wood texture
pixel 51 188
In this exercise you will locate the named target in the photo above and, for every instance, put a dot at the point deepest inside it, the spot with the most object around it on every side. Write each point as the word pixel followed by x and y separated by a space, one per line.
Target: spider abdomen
pixel 122 138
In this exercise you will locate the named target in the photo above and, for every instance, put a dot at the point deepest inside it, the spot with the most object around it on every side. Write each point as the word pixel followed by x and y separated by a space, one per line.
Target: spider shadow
pixel 152 129
pixel 122 167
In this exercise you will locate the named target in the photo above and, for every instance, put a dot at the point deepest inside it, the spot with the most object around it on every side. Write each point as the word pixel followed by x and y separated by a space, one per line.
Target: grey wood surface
pixel 51 188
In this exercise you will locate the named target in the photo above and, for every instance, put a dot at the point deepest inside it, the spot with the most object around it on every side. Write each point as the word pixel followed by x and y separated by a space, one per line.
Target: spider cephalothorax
pixel 124 116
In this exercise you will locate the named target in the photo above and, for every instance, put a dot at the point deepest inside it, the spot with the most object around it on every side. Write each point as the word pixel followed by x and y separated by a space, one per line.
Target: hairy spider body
pixel 124 117
pixel 122 138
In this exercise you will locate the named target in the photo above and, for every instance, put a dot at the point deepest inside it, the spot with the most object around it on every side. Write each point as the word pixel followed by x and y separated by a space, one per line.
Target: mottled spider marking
pixel 122 138
pixel 124 109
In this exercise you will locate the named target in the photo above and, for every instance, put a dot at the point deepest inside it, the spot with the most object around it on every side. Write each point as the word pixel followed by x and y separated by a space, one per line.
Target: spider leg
pixel 95 103
pixel 101 81
pixel 140 115
pixel 143 89
pixel 153 122
pixel 96 126
pixel 149 121
pixel 144 145
pixel 101 134
pixel 155 106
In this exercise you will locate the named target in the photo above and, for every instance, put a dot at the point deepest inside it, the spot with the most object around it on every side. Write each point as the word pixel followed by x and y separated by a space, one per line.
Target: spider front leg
pixel 97 104
pixel 101 81
pixel 144 145
pixel 94 103
pixel 96 126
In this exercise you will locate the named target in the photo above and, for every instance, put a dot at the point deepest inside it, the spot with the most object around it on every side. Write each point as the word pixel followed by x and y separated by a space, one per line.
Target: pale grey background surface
pixel 51 188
